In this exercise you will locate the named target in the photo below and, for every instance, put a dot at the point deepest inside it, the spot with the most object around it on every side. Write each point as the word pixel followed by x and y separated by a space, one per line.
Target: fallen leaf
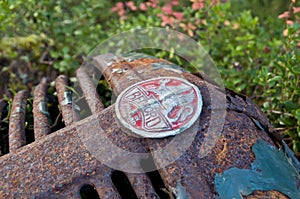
pixel 285 32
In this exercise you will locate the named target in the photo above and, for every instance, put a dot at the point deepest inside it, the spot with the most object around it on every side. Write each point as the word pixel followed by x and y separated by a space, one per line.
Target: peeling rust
pixel 266 195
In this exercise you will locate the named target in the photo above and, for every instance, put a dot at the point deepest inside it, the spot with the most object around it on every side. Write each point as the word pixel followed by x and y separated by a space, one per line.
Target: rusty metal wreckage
pixel 59 165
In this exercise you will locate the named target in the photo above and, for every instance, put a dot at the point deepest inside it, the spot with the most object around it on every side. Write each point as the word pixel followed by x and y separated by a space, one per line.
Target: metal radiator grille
pixel 58 164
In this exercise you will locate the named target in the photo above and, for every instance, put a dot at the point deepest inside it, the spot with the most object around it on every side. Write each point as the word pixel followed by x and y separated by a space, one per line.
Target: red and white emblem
pixel 159 107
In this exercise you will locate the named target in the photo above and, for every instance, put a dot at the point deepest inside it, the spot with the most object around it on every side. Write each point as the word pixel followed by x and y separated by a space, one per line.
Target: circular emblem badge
pixel 159 107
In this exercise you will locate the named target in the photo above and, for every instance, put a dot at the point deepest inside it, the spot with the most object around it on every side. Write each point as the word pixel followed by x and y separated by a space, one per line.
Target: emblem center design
pixel 159 107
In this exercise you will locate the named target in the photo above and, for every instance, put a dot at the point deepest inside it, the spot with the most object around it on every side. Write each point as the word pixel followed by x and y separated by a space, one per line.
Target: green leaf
pixel 78 32
pixel 264 71
pixel 297 115
pixel 296 69
pixel 290 105
pixel 54 54
pixel 275 79
pixel 65 50
pixel 287 121
pixel 239 48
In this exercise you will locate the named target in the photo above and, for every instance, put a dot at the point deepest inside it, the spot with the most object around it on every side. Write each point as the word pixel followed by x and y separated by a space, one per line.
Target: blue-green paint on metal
pixel 43 108
pixel 271 170
pixel 291 156
pixel 258 124
pixel 180 191
pixel 67 98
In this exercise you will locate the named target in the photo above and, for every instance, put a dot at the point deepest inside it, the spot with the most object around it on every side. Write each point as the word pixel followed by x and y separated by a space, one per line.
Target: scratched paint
pixel 271 170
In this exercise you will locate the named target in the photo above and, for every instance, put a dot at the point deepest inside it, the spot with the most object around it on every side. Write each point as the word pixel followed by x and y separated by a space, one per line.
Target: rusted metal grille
pixel 58 165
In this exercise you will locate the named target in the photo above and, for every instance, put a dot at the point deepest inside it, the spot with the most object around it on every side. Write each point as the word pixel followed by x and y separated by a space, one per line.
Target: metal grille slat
pixel 17 136
pixel 142 186
pixel 65 100
pixel 89 90
pixel 40 110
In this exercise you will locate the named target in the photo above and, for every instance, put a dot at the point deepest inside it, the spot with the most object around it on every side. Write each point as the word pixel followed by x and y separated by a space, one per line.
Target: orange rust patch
pixel 266 195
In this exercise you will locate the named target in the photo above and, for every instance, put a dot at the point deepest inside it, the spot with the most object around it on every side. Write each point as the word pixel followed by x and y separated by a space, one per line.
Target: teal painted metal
pixel 180 191
pixel 291 156
pixel 271 170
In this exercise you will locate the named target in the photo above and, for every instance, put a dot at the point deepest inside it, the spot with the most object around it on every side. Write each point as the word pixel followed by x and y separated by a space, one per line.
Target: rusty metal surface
pixel 59 164
pixel 240 103
pixel 232 150
pixel 99 178
pixel 42 166
pixel 266 195
pixel 17 136
pixel 122 74
pixel 40 110
pixel 142 186
pixel 65 100
pixel 89 90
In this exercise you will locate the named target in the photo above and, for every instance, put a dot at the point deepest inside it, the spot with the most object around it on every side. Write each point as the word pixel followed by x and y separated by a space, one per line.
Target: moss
pixel 12 47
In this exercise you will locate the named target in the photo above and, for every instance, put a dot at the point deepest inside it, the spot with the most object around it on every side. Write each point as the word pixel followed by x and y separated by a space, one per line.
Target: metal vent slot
pixel 123 185
pixel 155 178
pixel 29 124
pixel 29 119
pixel 54 112
pixel 3 127
pixel 142 185
pixel 88 191
pixel 80 104
pixel 104 91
